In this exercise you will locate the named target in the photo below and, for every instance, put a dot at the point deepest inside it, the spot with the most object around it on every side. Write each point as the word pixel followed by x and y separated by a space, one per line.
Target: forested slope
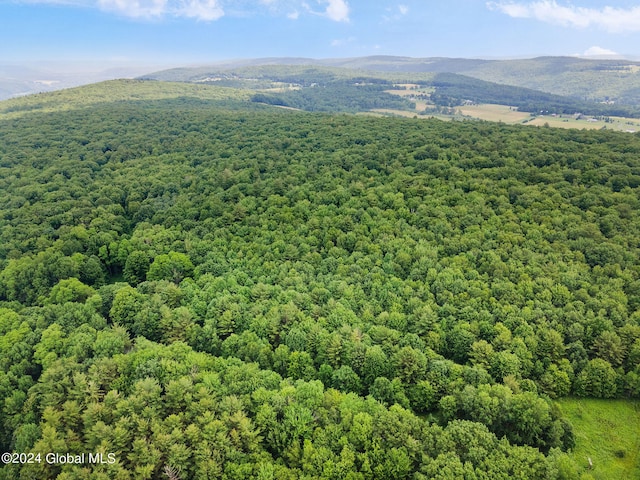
pixel 547 84
pixel 208 291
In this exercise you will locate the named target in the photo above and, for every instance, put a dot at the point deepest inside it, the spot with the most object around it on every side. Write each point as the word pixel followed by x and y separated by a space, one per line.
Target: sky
pixel 189 32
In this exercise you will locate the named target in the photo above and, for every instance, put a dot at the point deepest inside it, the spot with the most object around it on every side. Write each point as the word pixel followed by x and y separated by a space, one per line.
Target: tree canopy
pixel 210 291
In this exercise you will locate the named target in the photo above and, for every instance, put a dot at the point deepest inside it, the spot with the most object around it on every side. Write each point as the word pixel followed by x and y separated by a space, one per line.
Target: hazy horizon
pixel 179 32
pixel 29 77
pixel 73 42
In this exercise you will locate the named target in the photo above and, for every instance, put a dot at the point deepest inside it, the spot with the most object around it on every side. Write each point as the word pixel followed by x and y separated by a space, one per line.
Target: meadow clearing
pixel 606 431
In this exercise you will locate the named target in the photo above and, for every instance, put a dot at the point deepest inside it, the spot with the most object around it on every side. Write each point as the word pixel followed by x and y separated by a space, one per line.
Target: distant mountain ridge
pixel 593 86
pixel 584 78
pixel 592 79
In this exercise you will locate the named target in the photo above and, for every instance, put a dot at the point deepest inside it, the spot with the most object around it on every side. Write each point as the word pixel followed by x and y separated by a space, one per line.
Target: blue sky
pixel 198 31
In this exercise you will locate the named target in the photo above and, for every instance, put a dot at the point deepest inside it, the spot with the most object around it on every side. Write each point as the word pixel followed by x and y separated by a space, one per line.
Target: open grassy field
pixel 507 114
pixel 616 123
pixel 494 113
pixel 412 92
pixel 608 432
pixel 504 113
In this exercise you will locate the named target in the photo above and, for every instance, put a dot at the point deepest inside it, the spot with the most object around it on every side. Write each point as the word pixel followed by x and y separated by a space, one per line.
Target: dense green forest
pixel 207 287
pixel 337 97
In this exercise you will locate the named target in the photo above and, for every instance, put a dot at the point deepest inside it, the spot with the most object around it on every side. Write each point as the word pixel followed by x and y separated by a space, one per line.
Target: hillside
pixel 205 286
pixel 17 80
pixel 581 78
pixel 599 80
pixel 111 92
pixel 330 88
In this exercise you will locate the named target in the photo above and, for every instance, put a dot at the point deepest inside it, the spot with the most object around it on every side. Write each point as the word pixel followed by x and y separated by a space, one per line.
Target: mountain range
pixel 583 78
pixel 559 90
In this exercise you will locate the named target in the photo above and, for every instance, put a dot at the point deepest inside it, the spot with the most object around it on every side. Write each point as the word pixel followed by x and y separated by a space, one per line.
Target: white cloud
pixel 206 10
pixel 135 8
pixel 395 13
pixel 612 19
pixel 77 3
pixel 210 10
pixel 337 10
pixel 596 51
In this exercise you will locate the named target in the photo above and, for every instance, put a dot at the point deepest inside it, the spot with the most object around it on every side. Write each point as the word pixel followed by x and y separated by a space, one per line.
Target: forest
pixel 337 98
pixel 332 89
pixel 209 287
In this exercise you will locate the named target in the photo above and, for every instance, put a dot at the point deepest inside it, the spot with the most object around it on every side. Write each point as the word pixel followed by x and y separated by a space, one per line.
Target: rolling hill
pixel 585 79
pixel 20 80
pixel 200 285
pixel 337 88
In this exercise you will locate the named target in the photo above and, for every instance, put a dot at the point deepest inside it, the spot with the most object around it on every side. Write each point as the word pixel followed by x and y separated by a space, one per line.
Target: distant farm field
pixel 414 93
pixel 506 114
pixel 510 115
pixel 495 113
pixel 614 123
pixel 607 432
